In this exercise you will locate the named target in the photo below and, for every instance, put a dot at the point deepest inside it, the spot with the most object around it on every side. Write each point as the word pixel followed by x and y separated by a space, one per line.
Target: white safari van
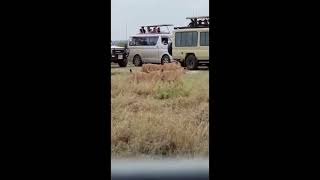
pixel 190 44
pixel 150 46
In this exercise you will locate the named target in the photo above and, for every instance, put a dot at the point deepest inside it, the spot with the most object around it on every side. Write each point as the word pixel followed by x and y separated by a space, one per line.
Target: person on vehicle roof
pixel 154 30
pixel 144 31
pixel 194 22
pixel 205 22
pixel 191 24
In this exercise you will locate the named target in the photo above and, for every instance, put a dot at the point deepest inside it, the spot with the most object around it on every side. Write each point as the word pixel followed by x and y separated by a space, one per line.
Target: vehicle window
pixel 143 41
pixel 131 43
pixel 204 39
pixel 186 39
pixel 164 40
pixel 134 41
pixel 194 38
pixel 152 41
pixel 178 39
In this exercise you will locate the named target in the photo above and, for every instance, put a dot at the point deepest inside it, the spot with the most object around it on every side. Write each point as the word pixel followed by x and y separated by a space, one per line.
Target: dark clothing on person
pixel 191 24
pixel 205 22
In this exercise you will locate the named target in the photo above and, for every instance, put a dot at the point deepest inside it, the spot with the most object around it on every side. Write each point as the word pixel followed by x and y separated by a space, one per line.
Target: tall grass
pixel 159 119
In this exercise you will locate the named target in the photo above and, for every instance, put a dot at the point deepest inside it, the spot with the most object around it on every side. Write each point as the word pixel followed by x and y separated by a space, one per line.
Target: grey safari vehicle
pixel 119 55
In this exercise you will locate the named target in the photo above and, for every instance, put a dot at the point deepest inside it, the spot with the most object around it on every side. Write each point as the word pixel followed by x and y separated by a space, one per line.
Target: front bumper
pixel 118 57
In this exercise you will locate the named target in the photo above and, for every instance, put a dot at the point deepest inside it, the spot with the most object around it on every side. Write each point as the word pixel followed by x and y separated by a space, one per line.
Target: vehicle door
pixel 134 47
pixel 153 49
pixel 163 47
pixel 143 49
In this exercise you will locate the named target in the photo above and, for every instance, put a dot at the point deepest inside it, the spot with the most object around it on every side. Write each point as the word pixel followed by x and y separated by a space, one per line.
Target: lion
pixel 156 67
pixel 138 77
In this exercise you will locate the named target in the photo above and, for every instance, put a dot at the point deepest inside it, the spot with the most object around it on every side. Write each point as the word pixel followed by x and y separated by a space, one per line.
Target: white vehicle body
pixel 151 48
pixel 116 47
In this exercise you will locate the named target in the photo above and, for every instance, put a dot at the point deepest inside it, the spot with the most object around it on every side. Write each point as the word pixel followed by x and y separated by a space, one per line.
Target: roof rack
pixel 191 27
pixel 155 29
pixel 198 17
pixel 160 25
pixel 196 22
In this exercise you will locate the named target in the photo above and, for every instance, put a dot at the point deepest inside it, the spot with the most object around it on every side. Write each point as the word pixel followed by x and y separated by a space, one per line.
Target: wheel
pixel 123 63
pixel 191 62
pixel 165 59
pixel 137 60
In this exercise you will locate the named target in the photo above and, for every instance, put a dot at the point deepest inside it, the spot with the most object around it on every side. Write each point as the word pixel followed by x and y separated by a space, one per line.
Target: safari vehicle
pixel 190 45
pixel 150 45
pixel 119 55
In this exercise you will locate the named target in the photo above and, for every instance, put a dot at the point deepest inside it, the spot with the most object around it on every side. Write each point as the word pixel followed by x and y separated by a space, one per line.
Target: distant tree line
pixel 120 43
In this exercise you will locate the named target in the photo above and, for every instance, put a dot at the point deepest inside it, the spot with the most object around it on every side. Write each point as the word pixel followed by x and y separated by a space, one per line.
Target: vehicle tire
pixel 170 48
pixel 123 63
pixel 191 62
pixel 165 59
pixel 137 60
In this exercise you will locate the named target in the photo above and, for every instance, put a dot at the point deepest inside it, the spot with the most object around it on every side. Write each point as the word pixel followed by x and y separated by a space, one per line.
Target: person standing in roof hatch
pixel 205 22
pixel 143 30
pixel 154 30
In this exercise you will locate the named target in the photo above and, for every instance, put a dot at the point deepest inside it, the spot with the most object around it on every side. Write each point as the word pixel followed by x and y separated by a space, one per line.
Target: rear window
pixel 143 41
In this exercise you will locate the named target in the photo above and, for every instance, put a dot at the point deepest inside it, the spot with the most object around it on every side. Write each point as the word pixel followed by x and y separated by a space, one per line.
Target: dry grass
pixel 159 119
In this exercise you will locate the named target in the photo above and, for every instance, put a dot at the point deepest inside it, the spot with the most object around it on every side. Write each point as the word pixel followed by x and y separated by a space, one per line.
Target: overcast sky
pixel 147 12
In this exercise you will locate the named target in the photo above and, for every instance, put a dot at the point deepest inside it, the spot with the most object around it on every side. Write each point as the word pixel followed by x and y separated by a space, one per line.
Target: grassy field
pixel 164 120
